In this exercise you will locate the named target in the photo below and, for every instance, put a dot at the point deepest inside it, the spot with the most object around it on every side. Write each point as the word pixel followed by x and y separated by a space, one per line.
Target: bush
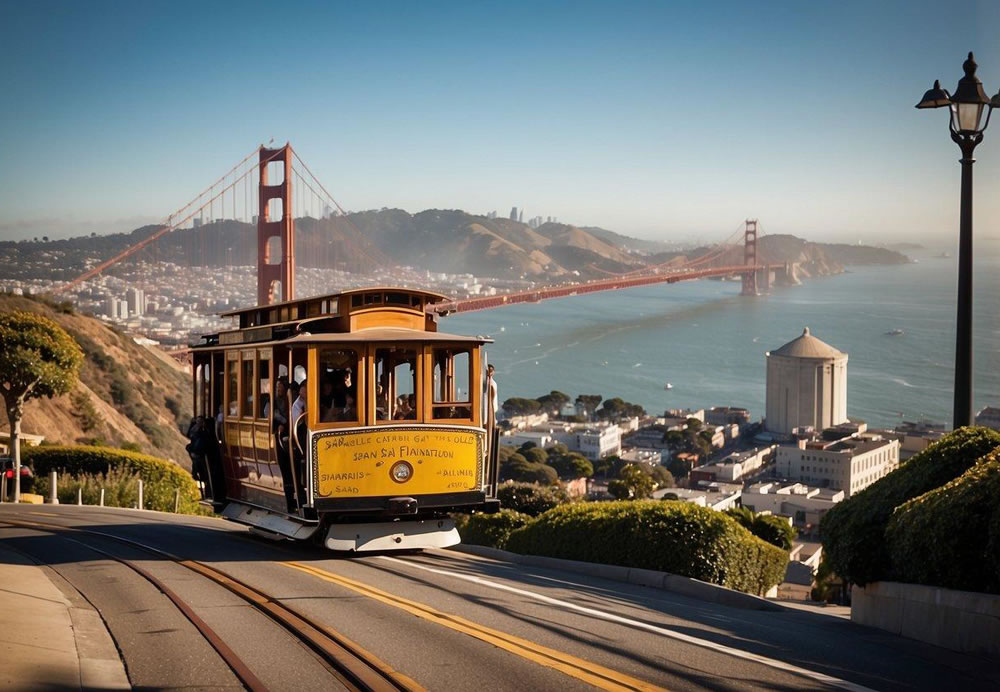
pixel 160 477
pixel 950 536
pixel 492 530
pixel 854 531
pixel 768 527
pixel 676 537
pixel 530 498
pixel 121 488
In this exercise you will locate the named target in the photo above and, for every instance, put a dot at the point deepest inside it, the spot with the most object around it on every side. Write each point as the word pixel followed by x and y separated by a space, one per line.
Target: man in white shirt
pixel 299 405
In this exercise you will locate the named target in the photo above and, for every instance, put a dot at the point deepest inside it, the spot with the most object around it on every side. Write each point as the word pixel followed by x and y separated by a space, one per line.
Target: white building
pixel 136 301
pixel 850 464
pixel 717 496
pixel 597 443
pixel 806 386
pixel 806 505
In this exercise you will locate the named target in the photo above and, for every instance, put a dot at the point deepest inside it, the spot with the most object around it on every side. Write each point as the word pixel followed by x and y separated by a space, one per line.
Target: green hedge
pixel 950 536
pixel 531 498
pixel 677 537
pixel 492 530
pixel 160 477
pixel 854 531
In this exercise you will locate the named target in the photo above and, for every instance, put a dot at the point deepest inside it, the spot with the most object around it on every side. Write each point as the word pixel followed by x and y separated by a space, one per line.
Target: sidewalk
pixel 51 641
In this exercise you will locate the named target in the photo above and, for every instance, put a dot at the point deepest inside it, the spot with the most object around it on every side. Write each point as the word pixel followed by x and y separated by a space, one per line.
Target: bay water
pixel 709 342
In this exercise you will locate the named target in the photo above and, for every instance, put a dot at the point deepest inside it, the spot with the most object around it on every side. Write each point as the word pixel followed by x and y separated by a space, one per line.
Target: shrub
pixel 854 531
pixel 676 537
pixel 768 527
pixel 121 488
pixel 530 498
pixel 492 530
pixel 160 477
pixel 950 536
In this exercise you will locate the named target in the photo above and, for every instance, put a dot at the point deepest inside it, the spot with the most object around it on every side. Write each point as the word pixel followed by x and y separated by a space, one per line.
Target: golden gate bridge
pixel 260 188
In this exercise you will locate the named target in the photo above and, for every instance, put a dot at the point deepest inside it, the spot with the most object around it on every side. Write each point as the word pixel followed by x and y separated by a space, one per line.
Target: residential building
pixel 597 443
pixel 734 467
pixel 806 386
pixel 717 496
pixel 805 504
pixel 727 415
pixel 850 464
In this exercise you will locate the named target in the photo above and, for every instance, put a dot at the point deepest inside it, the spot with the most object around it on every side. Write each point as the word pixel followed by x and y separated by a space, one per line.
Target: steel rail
pixel 355 667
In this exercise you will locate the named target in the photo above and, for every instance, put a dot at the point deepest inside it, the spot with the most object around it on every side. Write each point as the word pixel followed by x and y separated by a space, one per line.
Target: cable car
pixel 392 429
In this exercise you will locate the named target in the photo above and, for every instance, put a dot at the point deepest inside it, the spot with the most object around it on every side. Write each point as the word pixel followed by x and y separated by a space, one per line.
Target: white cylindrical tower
pixel 806 385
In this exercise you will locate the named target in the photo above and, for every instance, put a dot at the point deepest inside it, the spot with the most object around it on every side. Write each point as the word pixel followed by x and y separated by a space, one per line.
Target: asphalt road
pixel 450 621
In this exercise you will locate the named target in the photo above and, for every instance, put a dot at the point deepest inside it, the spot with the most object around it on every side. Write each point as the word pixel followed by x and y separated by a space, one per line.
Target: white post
pixel 177 500
pixel 53 480
pixel 79 496
pixel 140 493
pixel 102 497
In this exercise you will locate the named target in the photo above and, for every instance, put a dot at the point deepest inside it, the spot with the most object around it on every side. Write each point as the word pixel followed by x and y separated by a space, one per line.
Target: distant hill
pixel 126 392
pixel 439 240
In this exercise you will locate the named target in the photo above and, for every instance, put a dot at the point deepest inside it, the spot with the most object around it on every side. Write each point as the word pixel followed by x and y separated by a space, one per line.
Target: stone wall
pixel 959 620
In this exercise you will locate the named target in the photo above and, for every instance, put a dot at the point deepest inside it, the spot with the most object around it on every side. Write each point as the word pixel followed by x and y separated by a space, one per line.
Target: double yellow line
pixel 591 673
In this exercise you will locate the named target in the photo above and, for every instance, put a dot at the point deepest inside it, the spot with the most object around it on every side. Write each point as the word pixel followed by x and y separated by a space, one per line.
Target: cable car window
pixel 396 384
pixel 338 389
pixel 415 301
pixel 264 378
pixel 232 378
pixel 397 299
pixel 452 396
pixel 356 300
pixel 373 299
pixel 248 391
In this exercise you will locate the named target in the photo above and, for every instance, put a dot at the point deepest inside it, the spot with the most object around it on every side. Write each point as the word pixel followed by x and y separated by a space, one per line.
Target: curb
pixel 686 586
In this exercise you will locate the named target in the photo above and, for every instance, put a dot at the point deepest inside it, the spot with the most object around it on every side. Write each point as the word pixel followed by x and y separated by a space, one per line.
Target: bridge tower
pixel 750 257
pixel 275 236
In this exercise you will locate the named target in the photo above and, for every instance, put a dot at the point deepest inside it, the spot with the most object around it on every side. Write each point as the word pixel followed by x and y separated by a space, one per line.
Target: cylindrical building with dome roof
pixel 806 385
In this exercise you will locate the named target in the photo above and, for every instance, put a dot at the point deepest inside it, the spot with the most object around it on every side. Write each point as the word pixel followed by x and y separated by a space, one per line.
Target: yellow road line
pixel 591 673
pixel 46 514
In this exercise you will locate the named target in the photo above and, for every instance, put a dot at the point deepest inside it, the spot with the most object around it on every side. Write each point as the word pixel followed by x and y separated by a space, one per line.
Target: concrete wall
pixel 959 620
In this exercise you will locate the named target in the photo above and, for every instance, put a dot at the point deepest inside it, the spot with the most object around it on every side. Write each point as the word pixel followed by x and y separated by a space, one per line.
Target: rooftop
pixel 808 346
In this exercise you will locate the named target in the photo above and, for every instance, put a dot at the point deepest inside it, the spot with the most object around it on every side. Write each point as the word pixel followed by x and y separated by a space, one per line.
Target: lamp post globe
pixel 967 125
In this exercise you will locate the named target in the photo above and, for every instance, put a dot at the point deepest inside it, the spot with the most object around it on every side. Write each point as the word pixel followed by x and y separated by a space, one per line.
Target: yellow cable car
pixel 347 418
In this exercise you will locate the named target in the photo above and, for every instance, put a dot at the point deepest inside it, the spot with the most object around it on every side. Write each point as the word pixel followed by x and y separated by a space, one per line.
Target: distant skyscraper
pixel 136 298
pixel 520 216
pixel 513 213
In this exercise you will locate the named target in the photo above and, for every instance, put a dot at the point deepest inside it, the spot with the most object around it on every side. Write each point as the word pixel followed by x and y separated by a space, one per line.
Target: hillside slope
pixel 126 392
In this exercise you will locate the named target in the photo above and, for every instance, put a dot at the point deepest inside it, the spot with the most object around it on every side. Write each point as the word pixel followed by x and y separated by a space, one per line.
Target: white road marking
pixel 592 612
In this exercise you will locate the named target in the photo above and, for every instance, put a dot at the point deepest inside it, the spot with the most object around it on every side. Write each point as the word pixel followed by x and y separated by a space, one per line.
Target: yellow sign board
pixel 396 461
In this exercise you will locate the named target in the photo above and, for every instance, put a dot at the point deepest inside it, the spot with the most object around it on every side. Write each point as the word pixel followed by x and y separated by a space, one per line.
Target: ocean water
pixel 709 342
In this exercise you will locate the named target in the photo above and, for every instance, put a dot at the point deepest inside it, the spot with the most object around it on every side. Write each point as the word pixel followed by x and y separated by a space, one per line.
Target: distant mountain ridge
pixel 439 240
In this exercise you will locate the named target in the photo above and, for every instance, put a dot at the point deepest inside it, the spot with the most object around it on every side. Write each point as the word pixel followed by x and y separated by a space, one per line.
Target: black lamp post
pixel 967 126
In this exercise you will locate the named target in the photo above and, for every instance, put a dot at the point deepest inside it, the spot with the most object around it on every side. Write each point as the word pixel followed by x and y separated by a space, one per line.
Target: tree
pixel 589 402
pixel 37 358
pixel 771 528
pixel 661 476
pixel 553 401
pixel 571 465
pixel 535 455
pixel 632 484
pixel 517 406
pixel 616 408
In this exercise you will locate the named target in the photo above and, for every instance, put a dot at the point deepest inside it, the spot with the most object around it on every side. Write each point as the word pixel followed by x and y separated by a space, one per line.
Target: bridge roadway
pixel 445 620
pixel 612 284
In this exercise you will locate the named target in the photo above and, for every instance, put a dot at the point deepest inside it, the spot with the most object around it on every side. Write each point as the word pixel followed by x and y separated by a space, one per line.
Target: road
pixel 444 620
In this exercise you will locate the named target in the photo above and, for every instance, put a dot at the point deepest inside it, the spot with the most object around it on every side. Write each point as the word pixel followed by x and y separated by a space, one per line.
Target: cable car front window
pixel 396 384
pixel 338 388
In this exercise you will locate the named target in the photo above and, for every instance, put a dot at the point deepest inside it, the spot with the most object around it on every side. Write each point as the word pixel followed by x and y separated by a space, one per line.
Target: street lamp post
pixel 967 126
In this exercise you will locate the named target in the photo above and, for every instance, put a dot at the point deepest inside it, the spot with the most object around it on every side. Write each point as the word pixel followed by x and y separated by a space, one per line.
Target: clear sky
pixel 665 120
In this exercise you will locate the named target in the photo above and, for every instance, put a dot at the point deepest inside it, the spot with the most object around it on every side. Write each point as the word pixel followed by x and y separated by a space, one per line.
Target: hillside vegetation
pixel 127 393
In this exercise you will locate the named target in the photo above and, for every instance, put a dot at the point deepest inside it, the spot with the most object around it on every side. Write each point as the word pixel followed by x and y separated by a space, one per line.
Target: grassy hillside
pixel 126 392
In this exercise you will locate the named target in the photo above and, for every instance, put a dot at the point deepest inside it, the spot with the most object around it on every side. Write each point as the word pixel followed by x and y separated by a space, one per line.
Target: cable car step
pixel 273 522
pixel 392 535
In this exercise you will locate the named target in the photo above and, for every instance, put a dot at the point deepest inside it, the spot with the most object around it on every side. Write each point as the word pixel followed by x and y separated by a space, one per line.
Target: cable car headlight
pixel 401 471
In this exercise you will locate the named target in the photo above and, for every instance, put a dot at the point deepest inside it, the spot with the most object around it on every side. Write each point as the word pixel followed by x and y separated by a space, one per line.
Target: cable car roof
pixel 432 296
pixel 383 334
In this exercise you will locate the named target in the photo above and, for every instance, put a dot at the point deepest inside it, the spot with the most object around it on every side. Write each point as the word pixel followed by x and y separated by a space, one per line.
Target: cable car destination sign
pixel 396 460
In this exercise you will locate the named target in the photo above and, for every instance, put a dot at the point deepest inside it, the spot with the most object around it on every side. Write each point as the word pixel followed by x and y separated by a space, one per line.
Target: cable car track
pixel 356 668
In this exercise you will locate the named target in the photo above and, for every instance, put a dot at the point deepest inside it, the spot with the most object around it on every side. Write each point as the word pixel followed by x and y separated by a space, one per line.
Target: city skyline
pixel 660 122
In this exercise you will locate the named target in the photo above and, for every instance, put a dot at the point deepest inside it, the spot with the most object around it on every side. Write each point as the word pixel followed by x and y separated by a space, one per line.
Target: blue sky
pixel 665 120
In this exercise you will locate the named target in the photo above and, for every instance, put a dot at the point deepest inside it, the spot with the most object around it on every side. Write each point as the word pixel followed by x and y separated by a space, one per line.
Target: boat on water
pixel 668 386
pixel 895 332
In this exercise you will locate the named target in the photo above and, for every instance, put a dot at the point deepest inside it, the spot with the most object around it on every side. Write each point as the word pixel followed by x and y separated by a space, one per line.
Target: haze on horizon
pixel 663 122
